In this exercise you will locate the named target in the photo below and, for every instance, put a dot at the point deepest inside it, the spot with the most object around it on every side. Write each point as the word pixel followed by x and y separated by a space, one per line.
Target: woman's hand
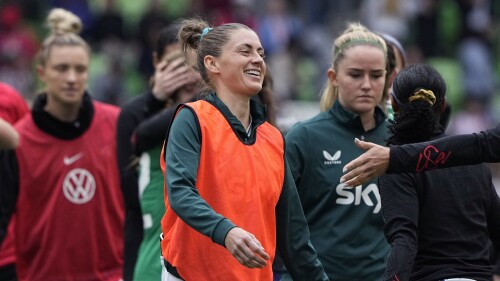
pixel 246 248
pixel 169 77
pixel 374 162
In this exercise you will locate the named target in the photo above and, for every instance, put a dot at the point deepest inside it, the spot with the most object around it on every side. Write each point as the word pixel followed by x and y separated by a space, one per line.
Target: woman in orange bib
pixel 230 198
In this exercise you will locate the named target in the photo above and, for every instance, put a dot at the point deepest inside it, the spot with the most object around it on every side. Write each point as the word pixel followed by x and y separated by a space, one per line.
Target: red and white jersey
pixel 69 214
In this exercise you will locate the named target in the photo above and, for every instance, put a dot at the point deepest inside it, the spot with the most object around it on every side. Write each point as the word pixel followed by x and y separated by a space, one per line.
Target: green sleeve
pixel 182 158
pixel 293 237
pixel 295 145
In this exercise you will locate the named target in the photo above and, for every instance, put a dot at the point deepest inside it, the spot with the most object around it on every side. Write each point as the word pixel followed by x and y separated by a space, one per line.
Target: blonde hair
pixel 355 34
pixel 64 28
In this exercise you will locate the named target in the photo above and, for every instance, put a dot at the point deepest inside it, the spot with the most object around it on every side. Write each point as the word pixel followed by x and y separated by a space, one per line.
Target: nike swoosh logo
pixel 70 160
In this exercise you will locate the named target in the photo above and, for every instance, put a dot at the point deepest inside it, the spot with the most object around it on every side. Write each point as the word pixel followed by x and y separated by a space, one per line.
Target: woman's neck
pixel 63 112
pixel 368 120
pixel 238 105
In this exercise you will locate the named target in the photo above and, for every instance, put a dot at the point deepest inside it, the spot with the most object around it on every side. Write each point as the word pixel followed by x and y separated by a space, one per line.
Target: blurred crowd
pixel 458 37
pixel 128 60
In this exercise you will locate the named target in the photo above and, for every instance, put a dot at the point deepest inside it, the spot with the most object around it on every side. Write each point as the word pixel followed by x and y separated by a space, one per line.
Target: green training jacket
pixel 346 224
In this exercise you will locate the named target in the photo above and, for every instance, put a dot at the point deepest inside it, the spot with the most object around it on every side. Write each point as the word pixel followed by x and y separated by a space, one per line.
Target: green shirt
pixel 346 224
pixel 148 265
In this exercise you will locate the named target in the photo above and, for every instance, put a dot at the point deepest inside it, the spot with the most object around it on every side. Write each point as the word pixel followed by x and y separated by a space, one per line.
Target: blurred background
pixel 461 38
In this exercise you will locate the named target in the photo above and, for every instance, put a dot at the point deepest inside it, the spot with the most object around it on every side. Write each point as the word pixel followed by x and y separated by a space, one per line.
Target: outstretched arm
pixel 417 157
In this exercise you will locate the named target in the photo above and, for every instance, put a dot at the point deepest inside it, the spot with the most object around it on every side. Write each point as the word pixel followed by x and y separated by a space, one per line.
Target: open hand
pixel 246 248
pixel 169 77
pixel 374 162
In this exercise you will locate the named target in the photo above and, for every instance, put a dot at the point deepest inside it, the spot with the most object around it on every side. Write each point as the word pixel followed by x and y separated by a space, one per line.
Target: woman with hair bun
pixel 440 223
pixel 230 198
pixel 61 185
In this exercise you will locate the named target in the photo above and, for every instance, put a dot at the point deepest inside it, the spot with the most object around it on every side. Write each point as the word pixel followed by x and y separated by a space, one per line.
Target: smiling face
pixel 65 74
pixel 360 78
pixel 240 68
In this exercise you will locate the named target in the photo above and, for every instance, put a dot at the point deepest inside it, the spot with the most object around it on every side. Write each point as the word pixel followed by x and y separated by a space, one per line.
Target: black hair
pixel 390 66
pixel 391 59
pixel 167 36
pixel 417 120
pixel 393 42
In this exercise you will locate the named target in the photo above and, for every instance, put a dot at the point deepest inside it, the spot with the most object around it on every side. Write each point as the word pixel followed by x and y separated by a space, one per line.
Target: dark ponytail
pixel 419 91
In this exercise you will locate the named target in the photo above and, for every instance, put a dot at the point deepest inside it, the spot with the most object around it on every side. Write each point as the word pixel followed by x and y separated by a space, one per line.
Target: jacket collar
pixel 352 120
pixel 257 110
pixel 57 128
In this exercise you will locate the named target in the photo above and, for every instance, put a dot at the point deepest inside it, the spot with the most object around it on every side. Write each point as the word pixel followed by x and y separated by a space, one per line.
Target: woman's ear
pixel 332 76
pixel 211 64
pixel 41 72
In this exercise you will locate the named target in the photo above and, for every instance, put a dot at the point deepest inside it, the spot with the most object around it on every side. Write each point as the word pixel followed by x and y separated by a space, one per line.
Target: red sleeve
pixel 12 105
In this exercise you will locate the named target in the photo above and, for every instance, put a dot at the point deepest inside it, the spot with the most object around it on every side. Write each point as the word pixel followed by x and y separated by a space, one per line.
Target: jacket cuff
pixel 392 159
pixel 221 230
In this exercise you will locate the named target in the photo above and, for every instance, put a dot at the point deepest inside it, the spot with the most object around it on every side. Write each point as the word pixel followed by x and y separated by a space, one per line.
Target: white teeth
pixel 253 72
